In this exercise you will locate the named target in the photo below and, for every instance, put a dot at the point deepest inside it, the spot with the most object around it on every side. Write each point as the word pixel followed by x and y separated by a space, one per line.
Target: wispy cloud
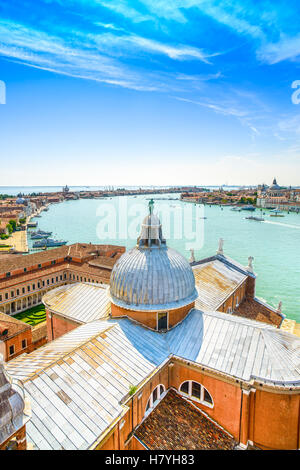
pixel 37 49
pixel 124 45
pixel 124 8
pixel 288 48
pixel 224 109
pixel 91 56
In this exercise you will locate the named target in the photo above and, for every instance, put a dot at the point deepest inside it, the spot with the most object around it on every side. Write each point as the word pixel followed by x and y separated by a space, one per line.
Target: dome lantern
pixel 151 232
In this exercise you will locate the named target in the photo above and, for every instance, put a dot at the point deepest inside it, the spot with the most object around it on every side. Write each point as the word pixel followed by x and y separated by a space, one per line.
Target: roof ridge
pixel 246 321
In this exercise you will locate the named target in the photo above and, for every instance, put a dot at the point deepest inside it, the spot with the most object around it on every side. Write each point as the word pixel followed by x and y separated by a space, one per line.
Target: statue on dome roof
pixel 151 206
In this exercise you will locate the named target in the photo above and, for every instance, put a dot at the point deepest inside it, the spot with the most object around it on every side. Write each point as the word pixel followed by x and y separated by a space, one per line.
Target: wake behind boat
pixel 258 219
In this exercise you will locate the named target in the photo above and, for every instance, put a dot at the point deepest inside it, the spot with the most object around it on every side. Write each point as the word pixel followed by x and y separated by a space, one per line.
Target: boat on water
pixel 258 219
pixel 248 208
pixel 40 234
pixel 236 209
pixel 276 213
pixel 48 242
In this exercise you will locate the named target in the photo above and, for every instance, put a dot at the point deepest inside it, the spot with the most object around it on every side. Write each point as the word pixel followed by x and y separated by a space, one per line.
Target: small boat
pixel 276 213
pixel 32 224
pixel 248 208
pixel 258 219
pixel 48 242
pixel 236 209
pixel 40 234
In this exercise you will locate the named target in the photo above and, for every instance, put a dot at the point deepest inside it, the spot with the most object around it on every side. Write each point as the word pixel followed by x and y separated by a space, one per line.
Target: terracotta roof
pixel 175 424
pixel 13 326
pixel 254 310
pixel 76 250
pixel 86 270
pixel 104 261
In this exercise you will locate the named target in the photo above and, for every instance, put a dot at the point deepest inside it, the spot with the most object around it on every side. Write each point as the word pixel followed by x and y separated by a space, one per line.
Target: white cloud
pixel 288 48
pixel 92 56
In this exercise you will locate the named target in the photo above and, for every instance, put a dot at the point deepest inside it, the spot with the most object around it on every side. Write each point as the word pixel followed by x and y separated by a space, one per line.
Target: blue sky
pixel 129 92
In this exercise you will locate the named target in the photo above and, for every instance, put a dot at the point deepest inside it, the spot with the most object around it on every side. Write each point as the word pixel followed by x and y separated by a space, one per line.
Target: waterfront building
pixel 278 196
pixel 126 377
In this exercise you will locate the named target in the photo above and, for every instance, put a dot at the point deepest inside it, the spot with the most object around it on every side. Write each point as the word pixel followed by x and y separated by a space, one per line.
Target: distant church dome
pixel 20 200
pixel 275 185
pixel 152 276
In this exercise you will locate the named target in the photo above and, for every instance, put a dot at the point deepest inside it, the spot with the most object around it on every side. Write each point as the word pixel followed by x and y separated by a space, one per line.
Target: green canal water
pixel 274 244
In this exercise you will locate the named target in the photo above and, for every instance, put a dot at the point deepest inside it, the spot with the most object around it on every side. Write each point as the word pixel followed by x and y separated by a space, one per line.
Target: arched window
pixel 155 397
pixel 197 392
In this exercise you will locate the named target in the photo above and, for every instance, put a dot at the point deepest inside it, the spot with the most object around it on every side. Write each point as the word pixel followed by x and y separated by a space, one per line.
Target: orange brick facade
pixel 268 419
pixel 58 326
pixel 231 303
pixel 149 319
pixel 16 343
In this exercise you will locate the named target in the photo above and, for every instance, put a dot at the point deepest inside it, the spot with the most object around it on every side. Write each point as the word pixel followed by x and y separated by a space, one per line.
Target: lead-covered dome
pixel 152 276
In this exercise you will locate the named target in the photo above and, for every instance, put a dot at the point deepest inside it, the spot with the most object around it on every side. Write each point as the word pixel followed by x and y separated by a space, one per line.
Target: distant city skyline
pixel 143 93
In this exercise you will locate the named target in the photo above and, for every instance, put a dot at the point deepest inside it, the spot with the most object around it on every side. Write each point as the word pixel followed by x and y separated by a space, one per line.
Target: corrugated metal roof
pixel 82 302
pixel 80 381
pixel 244 349
pixel 215 281
pixel 76 383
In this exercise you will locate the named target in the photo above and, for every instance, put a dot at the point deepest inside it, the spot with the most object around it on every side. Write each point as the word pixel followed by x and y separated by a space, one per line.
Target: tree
pixel 9 228
pixel 13 223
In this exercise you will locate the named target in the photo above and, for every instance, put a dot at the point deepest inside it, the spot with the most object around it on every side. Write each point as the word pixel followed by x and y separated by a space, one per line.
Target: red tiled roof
pixel 13 326
pixel 79 250
pixel 175 424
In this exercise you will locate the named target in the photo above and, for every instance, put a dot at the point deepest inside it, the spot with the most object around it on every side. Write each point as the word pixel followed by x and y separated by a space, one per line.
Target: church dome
pixel 152 276
pixel 20 200
pixel 275 185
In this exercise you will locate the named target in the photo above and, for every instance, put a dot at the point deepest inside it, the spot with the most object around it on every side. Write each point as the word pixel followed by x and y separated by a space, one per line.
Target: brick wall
pixel 149 319
pixel 58 326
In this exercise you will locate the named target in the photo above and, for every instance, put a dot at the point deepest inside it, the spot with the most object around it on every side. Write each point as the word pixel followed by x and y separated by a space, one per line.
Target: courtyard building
pixel 119 373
